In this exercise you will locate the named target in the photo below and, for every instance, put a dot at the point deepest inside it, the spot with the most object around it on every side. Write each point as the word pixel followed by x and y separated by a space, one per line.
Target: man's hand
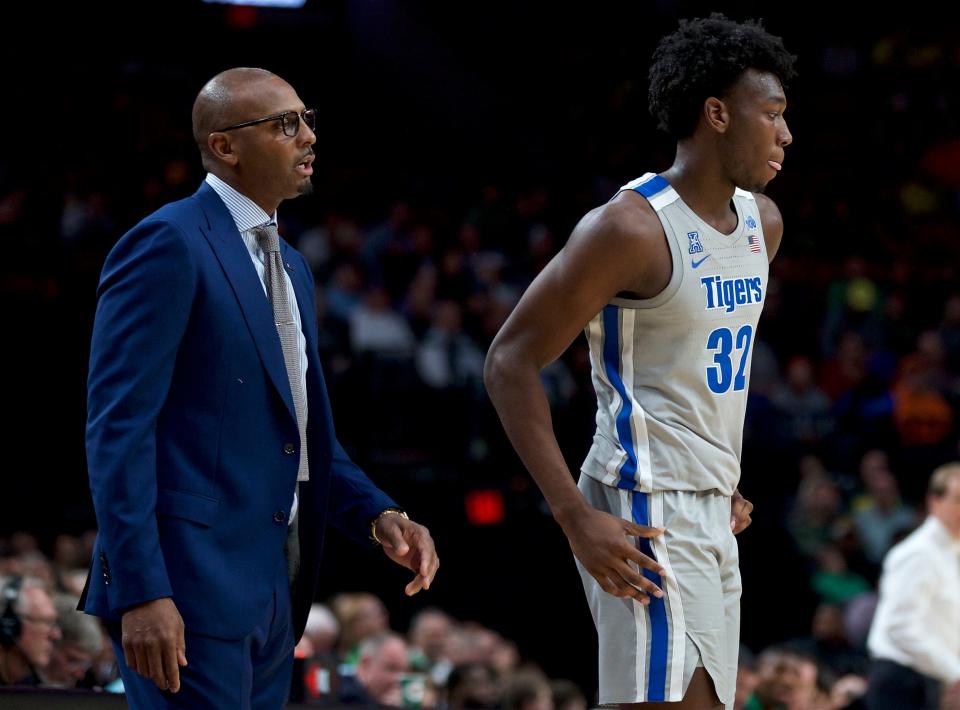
pixel 409 544
pixel 153 642
pixel 601 542
pixel 740 509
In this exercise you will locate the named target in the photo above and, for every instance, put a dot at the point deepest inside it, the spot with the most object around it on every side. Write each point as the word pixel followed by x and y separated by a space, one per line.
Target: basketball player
pixel 667 279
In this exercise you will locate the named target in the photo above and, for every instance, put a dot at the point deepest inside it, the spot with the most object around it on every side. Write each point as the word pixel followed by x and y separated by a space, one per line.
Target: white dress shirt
pixel 917 623
pixel 247 214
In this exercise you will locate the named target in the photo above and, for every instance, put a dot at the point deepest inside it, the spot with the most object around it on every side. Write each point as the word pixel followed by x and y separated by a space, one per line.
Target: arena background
pixel 515 118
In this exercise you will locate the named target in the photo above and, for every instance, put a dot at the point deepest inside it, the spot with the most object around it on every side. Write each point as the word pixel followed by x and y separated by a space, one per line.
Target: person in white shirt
pixel 915 636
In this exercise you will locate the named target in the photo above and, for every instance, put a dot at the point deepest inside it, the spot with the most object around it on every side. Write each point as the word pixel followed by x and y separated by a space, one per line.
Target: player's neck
pixel 697 177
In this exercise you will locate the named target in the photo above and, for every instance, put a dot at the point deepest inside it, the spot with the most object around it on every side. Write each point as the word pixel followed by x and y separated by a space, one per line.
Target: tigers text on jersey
pixel 671 372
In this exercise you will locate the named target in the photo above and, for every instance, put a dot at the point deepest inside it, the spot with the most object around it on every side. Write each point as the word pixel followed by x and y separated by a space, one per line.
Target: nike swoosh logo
pixel 694 263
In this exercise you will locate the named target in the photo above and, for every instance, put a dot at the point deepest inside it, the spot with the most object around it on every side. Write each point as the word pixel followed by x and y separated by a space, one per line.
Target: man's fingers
pixel 606 585
pixel 415 586
pixel 171 669
pixel 394 538
pixel 427 555
pixel 154 653
pixel 642 530
pixel 429 564
pixel 638 581
pixel 435 566
pixel 623 589
pixel 615 584
pixel 143 660
pixel 632 554
pixel 130 656
pixel 742 524
pixel 740 516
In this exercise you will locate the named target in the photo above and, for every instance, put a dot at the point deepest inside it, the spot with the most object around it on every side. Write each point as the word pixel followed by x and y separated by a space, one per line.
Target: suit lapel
pixel 221 232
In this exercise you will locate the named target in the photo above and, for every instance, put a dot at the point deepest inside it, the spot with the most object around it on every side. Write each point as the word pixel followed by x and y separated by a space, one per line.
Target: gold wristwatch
pixel 385 511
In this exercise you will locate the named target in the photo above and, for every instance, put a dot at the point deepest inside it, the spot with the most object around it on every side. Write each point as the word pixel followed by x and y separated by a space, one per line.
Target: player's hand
pixel 740 509
pixel 153 642
pixel 604 547
pixel 409 544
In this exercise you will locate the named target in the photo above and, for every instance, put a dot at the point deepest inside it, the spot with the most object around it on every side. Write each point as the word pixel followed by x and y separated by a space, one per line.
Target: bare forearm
pixel 517 393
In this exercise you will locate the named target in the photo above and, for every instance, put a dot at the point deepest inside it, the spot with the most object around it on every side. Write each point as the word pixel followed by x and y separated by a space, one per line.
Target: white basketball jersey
pixel 671 372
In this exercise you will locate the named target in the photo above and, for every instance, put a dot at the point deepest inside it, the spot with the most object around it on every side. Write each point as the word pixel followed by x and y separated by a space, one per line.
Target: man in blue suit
pixel 210 510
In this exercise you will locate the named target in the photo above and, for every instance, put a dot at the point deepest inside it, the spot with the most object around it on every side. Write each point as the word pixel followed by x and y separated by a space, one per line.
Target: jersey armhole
pixel 623 299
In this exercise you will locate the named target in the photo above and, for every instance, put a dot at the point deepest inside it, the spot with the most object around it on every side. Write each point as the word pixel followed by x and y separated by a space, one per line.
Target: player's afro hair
pixel 703 58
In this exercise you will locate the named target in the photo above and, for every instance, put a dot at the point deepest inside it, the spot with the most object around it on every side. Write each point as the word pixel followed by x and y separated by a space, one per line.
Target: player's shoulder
pixel 626 220
pixel 770 215
pixel 772 222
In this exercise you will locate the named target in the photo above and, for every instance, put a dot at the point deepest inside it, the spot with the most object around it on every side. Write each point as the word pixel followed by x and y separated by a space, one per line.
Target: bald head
pixel 223 100
pixel 267 154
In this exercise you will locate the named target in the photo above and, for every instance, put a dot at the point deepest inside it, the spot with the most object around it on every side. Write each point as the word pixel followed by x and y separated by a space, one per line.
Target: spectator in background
pixel 950 334
pixel 320 634
pixel 846 368
pixel 505 657
pixel 833 581
pixel 361 615
pixel 816 512
pixel 805 408
pixel 418 304
pixel 922 413
pixel 829 645
pixel 879 514
pixel 345 292
pixel 527 689
pixel 429 637
pixel 567 696
pixel 853 305
pixel 472 686
pixel 747 678
pixel 376 328
pixel 915 637
pixel 451 365
pixel 80 643
pixel 786 680
pixel 448 358
pixel 382 660
pixel 28 630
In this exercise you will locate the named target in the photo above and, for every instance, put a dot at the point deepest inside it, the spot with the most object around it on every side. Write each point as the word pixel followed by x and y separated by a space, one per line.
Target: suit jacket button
pixel 279 516
pixel 289 449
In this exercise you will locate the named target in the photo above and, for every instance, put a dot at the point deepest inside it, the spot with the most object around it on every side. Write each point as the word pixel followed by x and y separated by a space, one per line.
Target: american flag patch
pixel 754 242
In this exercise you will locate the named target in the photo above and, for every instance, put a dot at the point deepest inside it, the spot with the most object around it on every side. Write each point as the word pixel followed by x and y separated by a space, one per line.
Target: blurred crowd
pixel 349 654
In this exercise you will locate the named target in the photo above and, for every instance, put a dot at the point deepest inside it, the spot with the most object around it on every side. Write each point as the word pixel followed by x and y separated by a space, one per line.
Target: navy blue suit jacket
pixel 192 441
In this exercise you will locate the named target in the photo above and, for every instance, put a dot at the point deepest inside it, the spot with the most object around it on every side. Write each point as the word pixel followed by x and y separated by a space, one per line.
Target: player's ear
pixel 715 114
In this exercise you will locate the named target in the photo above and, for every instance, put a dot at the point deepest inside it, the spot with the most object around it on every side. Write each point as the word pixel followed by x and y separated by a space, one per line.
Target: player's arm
pixel 608 252
pixel 772 222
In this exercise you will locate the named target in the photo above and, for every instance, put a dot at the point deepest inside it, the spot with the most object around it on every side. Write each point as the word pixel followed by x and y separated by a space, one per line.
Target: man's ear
pixel 716 115
pixel 222 149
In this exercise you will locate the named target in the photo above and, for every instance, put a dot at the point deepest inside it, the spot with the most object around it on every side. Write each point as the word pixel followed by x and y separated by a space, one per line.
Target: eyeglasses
pixel 290 120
